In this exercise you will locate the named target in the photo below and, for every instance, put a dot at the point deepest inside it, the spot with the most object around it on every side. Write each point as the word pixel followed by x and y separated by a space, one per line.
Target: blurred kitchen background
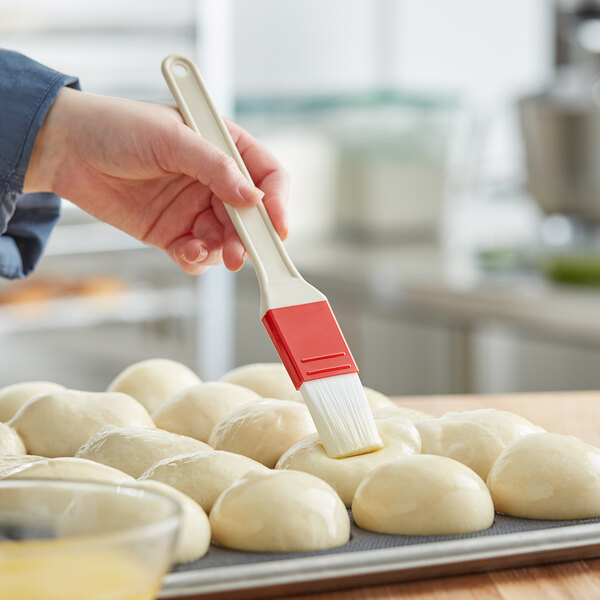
pixel 445 164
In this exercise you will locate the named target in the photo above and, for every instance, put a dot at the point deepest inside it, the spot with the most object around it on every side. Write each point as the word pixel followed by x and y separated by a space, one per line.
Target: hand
pixel 138 167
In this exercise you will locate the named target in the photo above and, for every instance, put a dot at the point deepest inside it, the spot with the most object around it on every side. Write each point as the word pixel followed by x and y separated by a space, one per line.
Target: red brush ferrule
pixel 309 341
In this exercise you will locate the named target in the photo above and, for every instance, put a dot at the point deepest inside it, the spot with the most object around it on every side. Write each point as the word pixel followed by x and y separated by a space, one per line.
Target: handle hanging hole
pixel 180 69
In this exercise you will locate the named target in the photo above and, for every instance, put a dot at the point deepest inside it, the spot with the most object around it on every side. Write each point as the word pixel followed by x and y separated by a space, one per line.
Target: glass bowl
pixel 67 540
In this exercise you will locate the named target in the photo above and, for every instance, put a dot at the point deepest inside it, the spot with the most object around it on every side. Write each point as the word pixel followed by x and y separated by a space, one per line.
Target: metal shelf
pixel 89 238
pixel 140 305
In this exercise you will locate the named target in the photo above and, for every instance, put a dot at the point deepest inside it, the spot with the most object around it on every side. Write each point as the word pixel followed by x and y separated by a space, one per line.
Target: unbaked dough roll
pixel 197 409
pixel 57 423
pixel 10 442
pixel 473 437
pixel 193 540
pixel 386 412
pixel 547 476
pixel 203 476
pixel 135 449
pixel 296 397
pixel 423 495
pixel 279 511
pixel 399 437
pixel 66 468
pixel 152 381
pixel 269 380
pixel 12 463
pixel 377 399
pixel 12 397
pixel 263 430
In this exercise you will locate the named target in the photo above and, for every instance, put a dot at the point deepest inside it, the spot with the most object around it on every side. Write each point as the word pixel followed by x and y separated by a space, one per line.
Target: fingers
pixel 190 255
pixel 268 174
pixel 195 255
pixel 276 188
pixel 234 253
pixel 209 243
pixel 209 229
pixel 203 161
pixel 197 158
pixel 185 251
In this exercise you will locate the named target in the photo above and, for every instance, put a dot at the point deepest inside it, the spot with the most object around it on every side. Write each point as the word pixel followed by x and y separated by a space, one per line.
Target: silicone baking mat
pixel 371 558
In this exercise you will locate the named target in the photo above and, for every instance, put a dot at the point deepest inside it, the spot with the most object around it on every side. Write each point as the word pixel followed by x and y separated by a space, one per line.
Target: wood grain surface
pixel 573 413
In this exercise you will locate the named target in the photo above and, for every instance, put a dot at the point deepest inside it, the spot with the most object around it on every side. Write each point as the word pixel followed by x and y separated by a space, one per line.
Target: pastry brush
pixel 297 317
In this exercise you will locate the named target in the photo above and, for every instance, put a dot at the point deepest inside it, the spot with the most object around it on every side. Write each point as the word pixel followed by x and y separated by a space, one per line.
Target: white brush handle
pixel 280 282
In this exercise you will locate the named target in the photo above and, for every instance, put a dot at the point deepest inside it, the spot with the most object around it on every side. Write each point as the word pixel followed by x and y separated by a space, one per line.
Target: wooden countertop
pixel 576 413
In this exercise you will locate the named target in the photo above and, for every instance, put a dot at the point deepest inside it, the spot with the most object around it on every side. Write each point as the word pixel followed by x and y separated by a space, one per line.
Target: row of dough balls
pixel 202 473
pixel 53 424
pixel 394 490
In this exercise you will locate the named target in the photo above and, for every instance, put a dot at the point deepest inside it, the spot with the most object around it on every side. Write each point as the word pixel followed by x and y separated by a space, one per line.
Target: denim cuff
pixel 27 91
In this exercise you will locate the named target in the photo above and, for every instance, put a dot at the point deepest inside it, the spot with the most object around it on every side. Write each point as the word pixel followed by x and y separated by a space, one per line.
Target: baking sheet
pixel 371 558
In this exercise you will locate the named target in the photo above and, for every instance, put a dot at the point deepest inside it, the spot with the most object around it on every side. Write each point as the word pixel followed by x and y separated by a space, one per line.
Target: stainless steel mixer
pixel 561 126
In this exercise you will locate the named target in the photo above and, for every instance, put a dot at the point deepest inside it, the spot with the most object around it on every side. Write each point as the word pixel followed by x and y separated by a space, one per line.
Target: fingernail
pixel 249 192
pixel 200 257
pixel 286 226
pixel 202 254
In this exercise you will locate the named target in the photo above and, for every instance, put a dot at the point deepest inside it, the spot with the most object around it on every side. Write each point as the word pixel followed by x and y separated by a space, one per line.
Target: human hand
pixel 138 167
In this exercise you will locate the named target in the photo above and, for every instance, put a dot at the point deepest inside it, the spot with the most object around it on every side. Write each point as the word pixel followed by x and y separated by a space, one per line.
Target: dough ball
pixel 152 381
pixel 135 449
pixel 423 495
pixel 279 511
pixel 193 540
pixel 203 476
pixel 13 463
pixel 66 468
pixel 58 423
pixel 386 412
pixel 263 430
pixel 296 397
pixel 10 442
pixel 12 397
pixel 547 476
pixel 196 410
pixel 473 437
pixel 399 437
pixel 269 380
pixel 377 399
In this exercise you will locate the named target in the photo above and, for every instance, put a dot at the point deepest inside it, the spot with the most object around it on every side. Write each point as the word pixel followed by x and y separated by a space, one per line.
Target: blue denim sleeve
pixel 27 90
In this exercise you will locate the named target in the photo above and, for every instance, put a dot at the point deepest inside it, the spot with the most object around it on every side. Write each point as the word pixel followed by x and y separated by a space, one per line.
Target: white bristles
pixel 342 415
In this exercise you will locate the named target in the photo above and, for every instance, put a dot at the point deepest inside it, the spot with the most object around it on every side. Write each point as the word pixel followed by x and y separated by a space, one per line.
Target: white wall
pixel 481 47
pixel 303 46
pixel 493 49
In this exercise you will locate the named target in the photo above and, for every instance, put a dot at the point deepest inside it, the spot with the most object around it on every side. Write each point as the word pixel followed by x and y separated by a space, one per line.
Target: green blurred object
pixel 574 269
pixel 503 259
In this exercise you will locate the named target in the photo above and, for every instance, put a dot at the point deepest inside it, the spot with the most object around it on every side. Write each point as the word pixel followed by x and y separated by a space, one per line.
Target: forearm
pixel 50 144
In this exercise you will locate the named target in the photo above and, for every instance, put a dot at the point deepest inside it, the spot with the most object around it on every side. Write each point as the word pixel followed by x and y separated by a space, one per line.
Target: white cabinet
pixel 510 359
pixel 400 356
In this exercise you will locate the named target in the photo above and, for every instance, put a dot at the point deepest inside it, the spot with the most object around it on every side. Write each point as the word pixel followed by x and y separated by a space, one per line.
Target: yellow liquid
pixel 89 576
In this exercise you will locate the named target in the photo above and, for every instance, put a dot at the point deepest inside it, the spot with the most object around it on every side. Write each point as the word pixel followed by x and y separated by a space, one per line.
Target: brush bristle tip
pixel 342 415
